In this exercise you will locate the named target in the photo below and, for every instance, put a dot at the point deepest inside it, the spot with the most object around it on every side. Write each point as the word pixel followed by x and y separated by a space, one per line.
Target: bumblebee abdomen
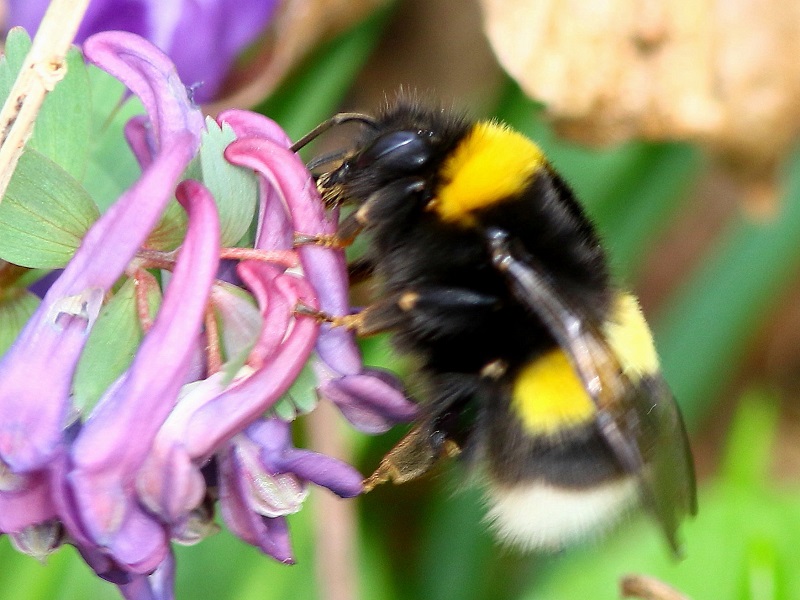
pixel 540 515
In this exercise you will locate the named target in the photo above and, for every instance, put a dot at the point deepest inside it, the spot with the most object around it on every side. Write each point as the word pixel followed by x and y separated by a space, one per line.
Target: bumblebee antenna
pixel 333 122
pixel 325 159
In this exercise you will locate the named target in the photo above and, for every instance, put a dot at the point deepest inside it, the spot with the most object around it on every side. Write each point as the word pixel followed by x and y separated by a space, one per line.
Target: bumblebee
pixel 538 369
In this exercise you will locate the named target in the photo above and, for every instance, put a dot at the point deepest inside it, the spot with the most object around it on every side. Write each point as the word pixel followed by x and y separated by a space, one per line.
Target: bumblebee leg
pixel 383 315
pixel 447 313
pixel 345 235
pixel 426 306
pixel 441 432
pixel 412 457
pixel 360 270
pixel 384 203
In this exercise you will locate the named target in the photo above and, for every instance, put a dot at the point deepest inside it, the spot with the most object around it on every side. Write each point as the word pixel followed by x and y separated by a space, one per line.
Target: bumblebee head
pixel 386 157
pixel 404 141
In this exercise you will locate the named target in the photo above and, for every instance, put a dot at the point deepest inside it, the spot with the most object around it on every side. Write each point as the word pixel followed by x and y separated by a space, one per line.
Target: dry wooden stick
pixel 43 68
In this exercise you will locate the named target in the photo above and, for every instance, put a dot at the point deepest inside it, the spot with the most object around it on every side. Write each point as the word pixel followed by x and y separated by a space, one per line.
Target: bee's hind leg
pixel 383 315
pixel 426 307
pixel 344 237
pixel 384 204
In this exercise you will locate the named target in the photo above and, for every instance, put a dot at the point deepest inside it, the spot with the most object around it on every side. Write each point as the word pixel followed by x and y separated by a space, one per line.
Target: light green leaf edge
pixel 235 189
pixel 111 346
pixel 15 310
pixel 62 127
pixel 44 214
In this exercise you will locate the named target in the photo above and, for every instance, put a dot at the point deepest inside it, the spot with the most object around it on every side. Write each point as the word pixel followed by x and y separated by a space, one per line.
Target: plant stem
pixel 334 519
pixel 44 66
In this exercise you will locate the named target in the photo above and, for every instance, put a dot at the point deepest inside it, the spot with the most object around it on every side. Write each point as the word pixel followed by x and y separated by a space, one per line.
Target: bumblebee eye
pixel 403 151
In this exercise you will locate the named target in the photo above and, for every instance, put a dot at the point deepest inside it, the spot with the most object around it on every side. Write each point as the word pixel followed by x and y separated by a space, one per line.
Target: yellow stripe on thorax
pixel 548 396
pixel 490 164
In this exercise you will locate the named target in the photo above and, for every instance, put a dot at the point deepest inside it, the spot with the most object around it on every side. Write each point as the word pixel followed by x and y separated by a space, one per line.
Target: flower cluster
pixel 186 425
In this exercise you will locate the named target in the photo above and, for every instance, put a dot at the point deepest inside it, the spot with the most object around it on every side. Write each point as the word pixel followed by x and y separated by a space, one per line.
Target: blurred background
pixel 675 123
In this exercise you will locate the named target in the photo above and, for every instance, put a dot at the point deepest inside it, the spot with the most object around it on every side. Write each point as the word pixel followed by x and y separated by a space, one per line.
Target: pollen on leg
pixel 325 240
pixel 408 301
pixel 494 370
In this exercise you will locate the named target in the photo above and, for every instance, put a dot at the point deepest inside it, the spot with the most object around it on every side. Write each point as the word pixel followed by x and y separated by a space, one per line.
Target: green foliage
pixel 15 310
pixel 111 168
pixel 111 346
pixel 62 127
pixel 233 188
pixel 44 214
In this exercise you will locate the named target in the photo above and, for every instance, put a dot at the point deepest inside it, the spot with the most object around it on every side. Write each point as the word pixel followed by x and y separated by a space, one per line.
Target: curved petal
pixel 271 535
pixel 246 123
pixel 324 268
pixel 151 76
pixel 158 585
pixel 372 401
pixel 37 370
pixel 30 505
pixel 274 439
pixel 139 137
pixel 214 410
pixel 104 456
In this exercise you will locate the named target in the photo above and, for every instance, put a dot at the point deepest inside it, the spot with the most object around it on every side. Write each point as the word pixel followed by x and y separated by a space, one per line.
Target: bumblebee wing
pixel 665 445
pixel 639 421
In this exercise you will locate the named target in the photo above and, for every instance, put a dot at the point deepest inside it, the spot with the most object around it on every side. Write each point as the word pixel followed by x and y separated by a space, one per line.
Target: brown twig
pixel 645 587
pixel 334 519
pixel 43 68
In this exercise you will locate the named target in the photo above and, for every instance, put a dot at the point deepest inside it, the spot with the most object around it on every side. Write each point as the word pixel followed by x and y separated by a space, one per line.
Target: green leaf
pixel 15 310
pixel 112 167
pixel 235 189
pixel 171 229
pixel 62 127
pixel 300 398
pixel 111 346
pixel 63 124
pixel 44 214
pixel 711 320
pixel 17 46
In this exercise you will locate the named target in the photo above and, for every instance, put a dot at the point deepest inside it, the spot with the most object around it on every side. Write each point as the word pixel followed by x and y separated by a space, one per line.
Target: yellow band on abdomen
pixel 548 396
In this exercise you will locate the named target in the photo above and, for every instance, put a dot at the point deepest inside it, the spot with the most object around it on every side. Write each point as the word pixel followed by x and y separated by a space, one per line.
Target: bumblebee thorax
pixel 489 165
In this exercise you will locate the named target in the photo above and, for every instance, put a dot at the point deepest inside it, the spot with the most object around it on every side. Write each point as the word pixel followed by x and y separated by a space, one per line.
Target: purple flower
pixel 46 470
pixel 263 478
pixel 202 38
pixel 372 400
pixel 37 370
pixel 181 427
